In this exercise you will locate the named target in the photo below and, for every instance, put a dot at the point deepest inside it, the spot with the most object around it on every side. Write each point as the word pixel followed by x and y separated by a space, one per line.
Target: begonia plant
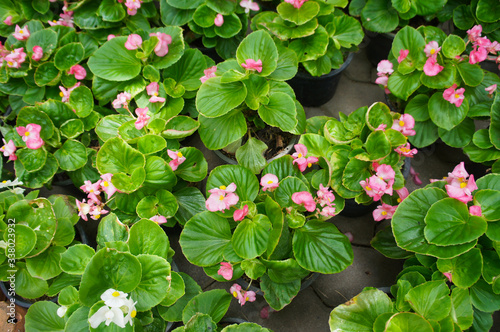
pixel 271 233
pixel 361 155
pixel 439 83
pixel 318 32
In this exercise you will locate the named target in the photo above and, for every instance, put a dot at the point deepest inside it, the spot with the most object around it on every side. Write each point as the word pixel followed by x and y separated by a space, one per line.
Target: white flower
pixel 61 311
pixel 114 298
pixel 18 191
pixel 108 315
pixel 131 311
pixel 8 183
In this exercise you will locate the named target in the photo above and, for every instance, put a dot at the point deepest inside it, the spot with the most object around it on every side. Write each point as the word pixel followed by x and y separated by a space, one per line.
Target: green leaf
pixel 279 112
pixel 409 322
pixel 259 46
pixel 219 132
pixel 117 156
pixel 149 144
pixel 111 11
pixel 32 160
pixel 278 295
pixel 403 86
pixel 42 317
pixel 174 312
pixel 488 199
pixel 377 145
pixel 378 114
pixel 214 303
pixel 47 74
pixel 301 15
pixel 483 298
pixel 463 18
pixel 215 99
pixel 250 237
pixel 82 101
pixel 46 39
pixel 311 47
pixel 251 155
pixel 29 115
pixel 348 31
pixel 110 229
pixel 191 201
pixel 355 171
pixel 453 46
pixel 68 56
pixel 180 127
pixel 78 320
pixel 247 185
pixel 175 49
pixel 461 308
pixel 385 243
pixel 495 122
pixel 471 74
pixel 204 238
pixel 175 291
pixel 147 237
pixel 46 265
pixel 194 168
pixel 188 70
pixel 442 80
pixel 25 240
pixel 445 114
pixel 465 269
pixel 71 156
pixel 75 259
pixel 379 16
pixel 72 128
pixel 151 290
pixel 159 174
pixel 108 126
pixel 431 300
pixel 113 62
pixel 320 237
pixel 28 286
pixel 426 134
pixel 488 11
pixel 460 136
pixel 68 296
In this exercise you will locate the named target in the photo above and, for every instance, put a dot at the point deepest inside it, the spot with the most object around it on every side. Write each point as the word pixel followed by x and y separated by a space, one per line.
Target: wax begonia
pixel 164 40
pixel 379 184
pixel 402 55
pixel 65 93
pixel 300 159
pixel 432 67
pixel 159 219
pixel 92 189
pixel 209 72
pixel 219 20
pixel 153 90
pixel 415 176
pixel 384 67
pixel 304 198
pixel 402 193
pixel 9 149
pixel 296 3
pixel 251 64
pixel 325 196
pixel 83 209
pixel 328 211
pixel 491 89
pixel 131 311
pixel 37 53
pixel 177 159
pixel 8 20
pixel 241 295
pixel 78 71
pixel 226 270
pixel 478 54
pixel 222 198
pixel 16 58
pixel 21 34
pixel 142 117
pixel 448 276
pixel 134 41
pixel 384 211
pixel 249 5
pixel 122 100
pixel 432 49
pixel 31 135
pixel 383 80
pixel 240 214
pixel 107 315
pixel 474 32
pixel 269 182
pixel 455 97
pixel 460 185
pixel 475 210
pixel 406 151
pixel 96 211
pixel 405 125
pixel 132 6
pixel 106 184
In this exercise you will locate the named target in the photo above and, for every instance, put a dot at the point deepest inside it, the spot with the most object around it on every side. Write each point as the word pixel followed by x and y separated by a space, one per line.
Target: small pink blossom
pixel 219 20
pixel 447 275
pixel 164 40
pixel 66 19
pixel 491 89
pixel 132 6
pixel 405 125
pixel 240 214
pixel 475 210
pixel 21 34
pixel 210 72
pixel 226 270
pixel 461 189
pixel 296 3
pixel 414 176
pixel 459 173
pixel 83 209
pixel 384 68
pixel 406 150
pixel 9 149
pixel 241 295
pixel 431 67
pixel 37 53
pixel 375 187
pixel 300 159
pixel 402 55
pixel 78 71
pixel 493 48
pixel 15 58
pixel 455 97
pixel 269 182
pixel 133 42
pixel 142 117
pixel 474 32
pixel 106 184
pixel 92 189
pixel 477 55
pixel 222 198
pixel 31 135
pixel 122 100
pixel 305 198
pixel 159 219
pixel 483 41
pixel 349 236
pixel 386 173
pixel 177 159
pixel 65 93
pixel 325 196
pixel 328 211
pixel 381 127
pixel 110 36
pixel 153 89
pixel 383 80
pixel 249 5
pixel 96 211
pixel 8 20
pixel 384 211
pixel 251 64
pixel 432 49
pixel 402 193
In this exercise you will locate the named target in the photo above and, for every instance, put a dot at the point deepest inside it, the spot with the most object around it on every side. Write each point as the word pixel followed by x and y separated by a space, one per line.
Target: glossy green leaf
pixel 431 300
pixel 82 101
pixel 465 269
pixel 214 303
pixel 250 237
pixel 75 259
pixel 42 317
pixel 147 237
pixel 71 156
pixel 278 295
pixel 68 56
pixel 151 289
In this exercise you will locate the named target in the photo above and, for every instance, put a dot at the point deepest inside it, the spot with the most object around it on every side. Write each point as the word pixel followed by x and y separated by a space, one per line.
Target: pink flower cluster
pixel 132 6
pixel 251 64
pixel 386 211
pixel 94 206
pixel 460 185
pixel 153 90
pixel 78 71
pixel 381 183
pixel 384 70
pixel 9 149
pixel 142 117
pixel 222 198
pixel 240 214
pixel 66 18
pixel 481 46
pixel 219 20
pixel 177 159
pixel 242 295
pixel 21 34
pixel 300 159
pixel 209 73
pixel 134 41
pixel 37 53
pixel 31 136
pixel 249 5
pixel 296 3
pixel 455 97
pixel 13 58
pixel 404 125
pixel 65 93
pixel 122 100
pixel 406 150
pixel 158 219
pixel 324 197
pixel 226 270
pixel 432 67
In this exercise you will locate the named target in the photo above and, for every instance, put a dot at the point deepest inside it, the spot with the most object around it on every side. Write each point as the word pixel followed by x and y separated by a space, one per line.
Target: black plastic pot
pixel 306 282
pixel 379 47
pixel 316 91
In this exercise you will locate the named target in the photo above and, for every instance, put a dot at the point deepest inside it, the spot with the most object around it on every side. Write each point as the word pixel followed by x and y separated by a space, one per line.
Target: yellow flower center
pixel 221 197
pixel 27 133
pixel 300 155
pixel 457 95
pixel 54 21
pixel 222 187
pixel 133 313
pixel 105 183
pixel 399 200
pixel 116 294
pixel 61 94
pixel 10 63
pixel 269 182
pixel 235 294
pixel 405 150
pixel 309 164
pixel 3 147
pixel 401 123
pixel 463 185
pixel 368 188
pixel 4 181
pixel 433 51
pixel 179 154
pixel 155 94
pixel 246 298
pixel 91 190
pixel 21 31
pixel 384 213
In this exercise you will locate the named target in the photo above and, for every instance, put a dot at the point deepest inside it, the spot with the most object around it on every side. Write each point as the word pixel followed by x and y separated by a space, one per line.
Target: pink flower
pixel 269 182
pixel 375 187
pixel 478 55
pixel 384 68
pixel 210 72
pixel 177 159
pixel 78 71
pixel 158 219
pixel 110 36
pixel 405 125
pixel 386 173
pixel 251 64
pixel 494 47
pixel 461 189
pixel 459 172
pixel 31 135
pixel 241 295
pixel 161 48
pixel 349 236
pixel 328 211
pixel 66 93
pixel 66 19
pixel 384 211
pixel 21 34
pixel 132 6
pixel 240 214
pixel 222 198
pixel 402 55
pixel 296 3
pixel 381 126
pixel 483 41
pixel 431 67
pixel 414 176
pixel 474 32
pixel 83 209
pixel 432 49
pixel 37 53
pixel 15 58
pixel 447 275
pixel 92 189
pixel 142 117
pixel 304 197
pixel 153 89
pixel 402 193
pixel 106 184
pixel 133 42
pixel 455 97
pixel 219 20
pixel 406 150
pixel 491 89
pixel 325 196
pixel 383 80
pixel 122 100
pixel 226 270
pixel 8 20
pixel 9 149
pixel 300 157
pixel 96 211
pixel 475 210
pixel 249 5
